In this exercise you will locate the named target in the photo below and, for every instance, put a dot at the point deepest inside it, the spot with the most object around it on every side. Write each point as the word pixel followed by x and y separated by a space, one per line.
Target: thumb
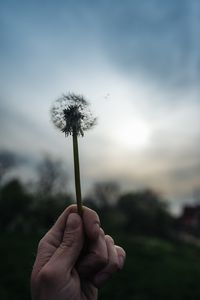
pixel 72 242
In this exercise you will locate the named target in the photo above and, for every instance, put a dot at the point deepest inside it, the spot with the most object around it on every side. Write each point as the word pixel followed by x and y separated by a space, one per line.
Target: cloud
pixel 157 39
pixel 153 39
pixel 138 63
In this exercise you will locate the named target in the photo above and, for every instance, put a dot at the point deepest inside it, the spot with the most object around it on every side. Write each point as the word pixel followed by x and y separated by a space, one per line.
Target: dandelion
pixel 70 113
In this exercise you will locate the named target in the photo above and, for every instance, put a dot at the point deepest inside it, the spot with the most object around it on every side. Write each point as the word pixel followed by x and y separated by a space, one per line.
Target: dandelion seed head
pixel 70 114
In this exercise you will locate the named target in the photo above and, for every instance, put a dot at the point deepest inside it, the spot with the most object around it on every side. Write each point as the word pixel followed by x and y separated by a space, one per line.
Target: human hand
pixel 64 268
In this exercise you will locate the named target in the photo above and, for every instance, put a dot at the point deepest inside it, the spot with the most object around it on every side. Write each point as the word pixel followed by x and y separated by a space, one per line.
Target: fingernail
pixel 101 279
pixel 73 221
pixel 121 260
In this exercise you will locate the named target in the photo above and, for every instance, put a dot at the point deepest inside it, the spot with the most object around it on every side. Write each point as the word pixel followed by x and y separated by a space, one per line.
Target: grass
pixel 154 269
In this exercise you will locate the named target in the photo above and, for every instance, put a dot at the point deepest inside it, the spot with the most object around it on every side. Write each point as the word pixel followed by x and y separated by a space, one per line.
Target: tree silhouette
pixel 15 207
pixel 52 179
pixel 144 212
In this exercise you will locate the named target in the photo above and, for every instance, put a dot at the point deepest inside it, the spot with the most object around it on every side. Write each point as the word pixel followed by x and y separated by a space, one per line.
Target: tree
pixel 105 194
pixel 52 195
pixel 102 199
pixel 144 212
pixel 52 179
pixel 15 207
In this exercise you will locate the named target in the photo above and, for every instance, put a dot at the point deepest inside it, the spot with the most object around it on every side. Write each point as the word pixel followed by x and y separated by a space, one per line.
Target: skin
pixel 74 258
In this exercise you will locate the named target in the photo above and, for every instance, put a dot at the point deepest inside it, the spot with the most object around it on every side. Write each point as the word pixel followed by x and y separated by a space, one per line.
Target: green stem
pixel 77 175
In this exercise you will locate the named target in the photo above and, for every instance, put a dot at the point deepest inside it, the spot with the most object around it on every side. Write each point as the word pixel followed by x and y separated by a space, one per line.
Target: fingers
pixel 121 256
pixel 91 223
pixel 116 258
pixel 103 259
pixel 54 237
pixel 52 240
pixel 65 240
pixel 57 230
pixel 70 248
pixel 90 220
pixel 96 257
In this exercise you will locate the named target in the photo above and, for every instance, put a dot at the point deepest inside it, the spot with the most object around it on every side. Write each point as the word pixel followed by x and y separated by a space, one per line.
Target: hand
pixel 74 258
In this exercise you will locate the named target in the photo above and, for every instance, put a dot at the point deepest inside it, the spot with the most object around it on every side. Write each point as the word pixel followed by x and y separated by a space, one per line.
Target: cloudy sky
pixel 136 61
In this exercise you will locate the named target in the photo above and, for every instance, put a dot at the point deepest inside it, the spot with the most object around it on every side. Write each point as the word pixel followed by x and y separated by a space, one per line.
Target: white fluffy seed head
pixel 70 114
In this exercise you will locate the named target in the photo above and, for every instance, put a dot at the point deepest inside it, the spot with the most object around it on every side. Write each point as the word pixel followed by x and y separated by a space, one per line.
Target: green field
pixel 154 269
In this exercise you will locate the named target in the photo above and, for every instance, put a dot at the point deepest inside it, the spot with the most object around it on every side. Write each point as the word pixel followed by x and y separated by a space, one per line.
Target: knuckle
pixel 113 267
pixel 92 264
pixel 91 215
pixel 102 234
pixel 109 239
pixel 47 274
pixel 100 260
pixel 68 240
pixel 96 217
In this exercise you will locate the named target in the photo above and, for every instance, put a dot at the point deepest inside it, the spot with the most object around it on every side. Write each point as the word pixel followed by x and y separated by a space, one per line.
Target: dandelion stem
pixel 77 174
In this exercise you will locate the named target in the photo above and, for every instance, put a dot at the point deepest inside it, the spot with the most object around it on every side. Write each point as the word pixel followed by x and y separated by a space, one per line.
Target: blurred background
pixel 138 63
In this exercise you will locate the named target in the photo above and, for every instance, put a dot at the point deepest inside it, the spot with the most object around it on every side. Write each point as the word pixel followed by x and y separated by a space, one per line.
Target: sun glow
pixel 132 134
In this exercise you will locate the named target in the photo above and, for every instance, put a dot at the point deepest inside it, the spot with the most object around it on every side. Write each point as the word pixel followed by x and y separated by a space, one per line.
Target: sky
pixel 138 64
